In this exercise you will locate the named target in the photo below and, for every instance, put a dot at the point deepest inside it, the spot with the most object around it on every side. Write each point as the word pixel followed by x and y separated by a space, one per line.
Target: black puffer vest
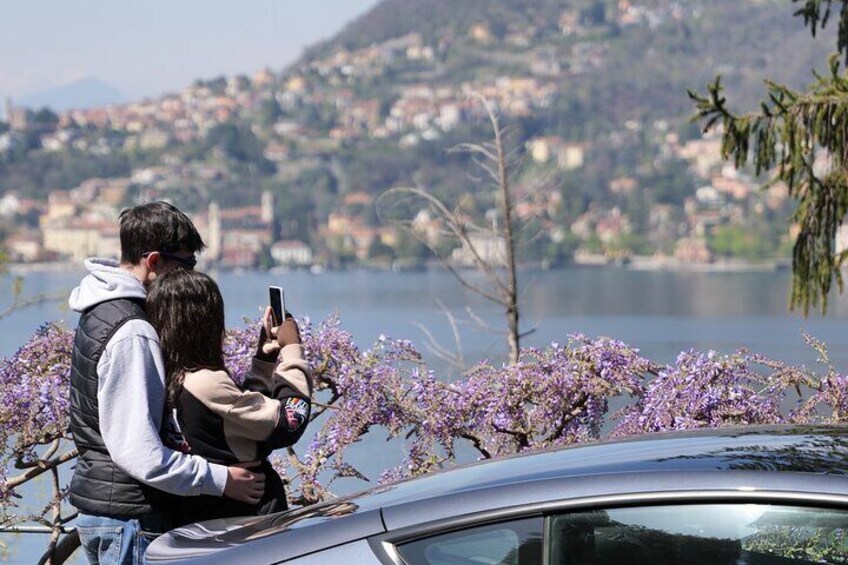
pixel 98 486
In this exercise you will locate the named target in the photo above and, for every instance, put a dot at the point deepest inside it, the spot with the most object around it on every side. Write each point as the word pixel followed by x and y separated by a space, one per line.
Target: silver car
pixel 769 495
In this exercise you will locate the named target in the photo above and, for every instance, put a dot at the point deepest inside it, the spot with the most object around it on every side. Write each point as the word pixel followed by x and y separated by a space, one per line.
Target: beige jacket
pixel 222 421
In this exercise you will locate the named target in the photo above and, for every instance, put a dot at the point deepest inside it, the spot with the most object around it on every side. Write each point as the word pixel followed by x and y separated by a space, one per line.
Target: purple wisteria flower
pixel 34 400
pixel 704 390
pixel 553 396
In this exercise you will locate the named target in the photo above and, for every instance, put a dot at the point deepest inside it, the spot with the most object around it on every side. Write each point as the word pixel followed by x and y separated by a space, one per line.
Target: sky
pixel 146 48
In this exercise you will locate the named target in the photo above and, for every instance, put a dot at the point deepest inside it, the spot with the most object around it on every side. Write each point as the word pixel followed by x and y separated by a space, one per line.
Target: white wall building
pixel 291 252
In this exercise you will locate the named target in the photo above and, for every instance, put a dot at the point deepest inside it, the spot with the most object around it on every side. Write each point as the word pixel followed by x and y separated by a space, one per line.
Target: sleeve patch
pixel 296 410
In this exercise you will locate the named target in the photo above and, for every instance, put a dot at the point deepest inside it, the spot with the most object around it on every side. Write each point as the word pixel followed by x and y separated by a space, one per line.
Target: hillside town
pixel 82 222
pixel 289 125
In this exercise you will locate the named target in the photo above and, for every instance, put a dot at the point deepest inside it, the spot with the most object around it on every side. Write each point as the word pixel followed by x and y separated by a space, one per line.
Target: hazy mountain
pixel 86 92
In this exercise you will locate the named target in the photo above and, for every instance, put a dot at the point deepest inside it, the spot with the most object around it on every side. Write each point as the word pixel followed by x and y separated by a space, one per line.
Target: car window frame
pixel 385 545
pixel 536 519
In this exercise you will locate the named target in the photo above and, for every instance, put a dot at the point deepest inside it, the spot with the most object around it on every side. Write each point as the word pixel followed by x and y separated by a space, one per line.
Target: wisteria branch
pixel 554 396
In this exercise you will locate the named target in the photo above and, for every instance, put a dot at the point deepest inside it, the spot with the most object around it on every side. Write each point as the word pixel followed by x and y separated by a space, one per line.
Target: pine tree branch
pixel 788 134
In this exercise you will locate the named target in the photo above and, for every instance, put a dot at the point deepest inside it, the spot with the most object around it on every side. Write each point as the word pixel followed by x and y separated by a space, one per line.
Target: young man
pixel 118 397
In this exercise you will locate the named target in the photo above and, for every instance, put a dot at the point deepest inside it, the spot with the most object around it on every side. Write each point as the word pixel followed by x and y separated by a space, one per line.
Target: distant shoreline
pixel 633 264
pixel 724 266
pixel 51 267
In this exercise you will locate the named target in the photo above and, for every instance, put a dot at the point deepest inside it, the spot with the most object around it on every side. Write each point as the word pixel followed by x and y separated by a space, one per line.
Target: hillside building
pixel 291 252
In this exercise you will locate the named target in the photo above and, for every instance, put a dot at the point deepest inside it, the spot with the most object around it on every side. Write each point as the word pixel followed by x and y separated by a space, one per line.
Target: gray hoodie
pixel 131 393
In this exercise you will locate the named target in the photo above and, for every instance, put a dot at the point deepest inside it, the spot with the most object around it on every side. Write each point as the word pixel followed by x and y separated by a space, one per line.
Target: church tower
pixel 215 243
pixel 267 207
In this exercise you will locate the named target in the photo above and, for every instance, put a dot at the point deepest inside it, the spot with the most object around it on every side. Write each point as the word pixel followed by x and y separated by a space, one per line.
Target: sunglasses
pixel 187 262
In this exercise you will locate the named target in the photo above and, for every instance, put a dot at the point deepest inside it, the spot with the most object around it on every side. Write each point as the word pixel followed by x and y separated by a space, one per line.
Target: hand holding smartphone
pixel 278 304
pixel 287 333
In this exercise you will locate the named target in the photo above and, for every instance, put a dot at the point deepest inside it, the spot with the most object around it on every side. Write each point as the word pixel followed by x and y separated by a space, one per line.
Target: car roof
pixel 800 449
pixel 774 458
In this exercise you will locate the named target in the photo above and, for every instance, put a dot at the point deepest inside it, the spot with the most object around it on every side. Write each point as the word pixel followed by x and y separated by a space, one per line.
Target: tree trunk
pixel 511 294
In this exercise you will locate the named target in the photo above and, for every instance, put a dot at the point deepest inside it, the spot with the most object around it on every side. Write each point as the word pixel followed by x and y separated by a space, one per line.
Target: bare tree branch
pixel 473 148
pixel 482 325
pixel 458 227
pixel 457 337
pixel 478 445
pixel 531 331
pixel 39 470
pixel 457 359
pixel 434 347
pixel 32 301
pixel 501 167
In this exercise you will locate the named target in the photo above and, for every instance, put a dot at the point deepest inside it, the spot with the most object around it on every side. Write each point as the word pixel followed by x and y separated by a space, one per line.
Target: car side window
pixel 715 534
pixel 518 542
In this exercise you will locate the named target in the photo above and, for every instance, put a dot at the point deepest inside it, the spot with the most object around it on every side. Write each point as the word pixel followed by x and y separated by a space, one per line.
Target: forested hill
pixel 670 46
pixel 435 19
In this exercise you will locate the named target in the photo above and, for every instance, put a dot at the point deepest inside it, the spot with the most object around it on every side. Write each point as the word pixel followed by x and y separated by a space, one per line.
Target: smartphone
pixel 278 304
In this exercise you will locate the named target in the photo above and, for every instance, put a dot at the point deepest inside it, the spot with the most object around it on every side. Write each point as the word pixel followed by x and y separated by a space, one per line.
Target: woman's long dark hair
pixel 187 311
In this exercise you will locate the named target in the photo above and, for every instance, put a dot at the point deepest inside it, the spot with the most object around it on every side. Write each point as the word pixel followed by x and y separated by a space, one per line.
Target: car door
pixel 742 532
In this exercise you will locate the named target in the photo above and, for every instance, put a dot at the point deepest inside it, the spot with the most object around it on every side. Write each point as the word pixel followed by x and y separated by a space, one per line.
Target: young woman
pixel 217 419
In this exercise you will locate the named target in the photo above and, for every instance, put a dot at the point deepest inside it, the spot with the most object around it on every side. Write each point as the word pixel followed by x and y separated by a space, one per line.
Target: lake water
pixel 661 313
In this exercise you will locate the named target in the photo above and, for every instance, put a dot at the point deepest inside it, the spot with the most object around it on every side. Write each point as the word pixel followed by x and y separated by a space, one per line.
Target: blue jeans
pixel 108 541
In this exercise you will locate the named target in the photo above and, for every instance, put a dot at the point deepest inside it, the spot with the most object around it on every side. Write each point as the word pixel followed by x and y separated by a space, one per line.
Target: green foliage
pixel 242 82
pixel 671 184
pixel 410 247
pixel 740 242
pixel 239 143
pixel 343 252
pixel 294 208
pixel 265 260
pixel 40 172
pixel 594 244
pixel 811 545
pixel 44 118
pixel 561 253
pixel 320 118
pixel 269 112
pixel 380 251
pixel 629 244
pixel 791 129
pixel 594 14
pixel 4 256
pixel 217 85
pixel 788 132
pixel 542 249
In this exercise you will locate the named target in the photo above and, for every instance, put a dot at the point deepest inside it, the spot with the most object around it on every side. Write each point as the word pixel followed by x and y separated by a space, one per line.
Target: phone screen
pixel 278 304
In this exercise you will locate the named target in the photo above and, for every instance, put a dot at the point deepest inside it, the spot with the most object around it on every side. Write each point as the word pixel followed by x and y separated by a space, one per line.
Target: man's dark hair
pixel 156 226
pixel 187 311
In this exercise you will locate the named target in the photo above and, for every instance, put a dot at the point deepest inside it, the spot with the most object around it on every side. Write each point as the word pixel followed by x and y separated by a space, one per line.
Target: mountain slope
pixel 646 66
pixel 87 92
pixel 436 18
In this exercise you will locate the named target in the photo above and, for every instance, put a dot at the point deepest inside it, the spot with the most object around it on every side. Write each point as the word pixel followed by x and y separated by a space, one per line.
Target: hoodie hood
pixel 104 281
